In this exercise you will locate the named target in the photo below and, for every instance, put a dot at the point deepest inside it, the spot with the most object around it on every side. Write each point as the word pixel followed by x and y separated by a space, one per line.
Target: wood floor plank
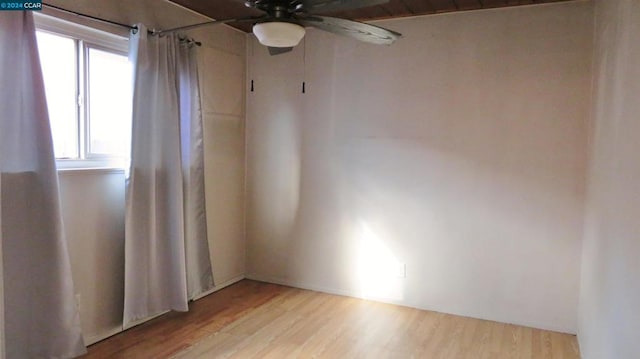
pixel 258 320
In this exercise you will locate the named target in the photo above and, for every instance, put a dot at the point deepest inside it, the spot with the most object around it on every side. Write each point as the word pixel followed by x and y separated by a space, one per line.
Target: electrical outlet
pixel 401 270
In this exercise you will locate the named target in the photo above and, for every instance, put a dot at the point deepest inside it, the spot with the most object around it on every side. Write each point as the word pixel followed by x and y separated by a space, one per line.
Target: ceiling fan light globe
pixel 278 34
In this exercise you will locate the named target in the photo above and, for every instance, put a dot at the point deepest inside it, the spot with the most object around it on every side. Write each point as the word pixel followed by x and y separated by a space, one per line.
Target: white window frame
pixel 87 38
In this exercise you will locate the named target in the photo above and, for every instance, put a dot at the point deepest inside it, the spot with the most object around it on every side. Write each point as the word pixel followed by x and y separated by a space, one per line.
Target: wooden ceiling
pixel 228 9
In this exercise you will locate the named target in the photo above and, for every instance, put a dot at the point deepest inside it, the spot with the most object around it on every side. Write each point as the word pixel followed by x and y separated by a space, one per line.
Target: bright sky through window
pixel 58 59
pixel 109 78
pixel 89 97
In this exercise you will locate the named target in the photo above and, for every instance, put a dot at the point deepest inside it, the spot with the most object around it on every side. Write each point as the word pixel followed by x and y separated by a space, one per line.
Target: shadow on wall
pixel 459 166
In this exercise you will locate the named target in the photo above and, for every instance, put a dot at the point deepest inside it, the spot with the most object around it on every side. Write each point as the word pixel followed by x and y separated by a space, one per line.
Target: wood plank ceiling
pixel 229 9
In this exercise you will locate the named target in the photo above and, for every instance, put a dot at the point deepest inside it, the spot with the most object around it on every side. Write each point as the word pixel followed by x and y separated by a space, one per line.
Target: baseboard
pixel 92 339
pixel 328 290
pixel 307 286
pixel 218 287
pixel 347 293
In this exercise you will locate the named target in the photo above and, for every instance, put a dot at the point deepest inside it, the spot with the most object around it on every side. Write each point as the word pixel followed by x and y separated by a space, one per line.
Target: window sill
pixel 93 166
pixel 91 170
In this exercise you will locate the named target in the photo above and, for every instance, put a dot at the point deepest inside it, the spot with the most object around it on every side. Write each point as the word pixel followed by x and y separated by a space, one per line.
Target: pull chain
pixel 253 45
pixel 304 65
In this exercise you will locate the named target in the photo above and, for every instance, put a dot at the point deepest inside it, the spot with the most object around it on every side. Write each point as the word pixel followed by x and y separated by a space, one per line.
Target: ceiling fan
pixel 283 24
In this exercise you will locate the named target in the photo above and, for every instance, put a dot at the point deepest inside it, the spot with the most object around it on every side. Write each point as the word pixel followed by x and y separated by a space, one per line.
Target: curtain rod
pixel 130 27
pixel 91 17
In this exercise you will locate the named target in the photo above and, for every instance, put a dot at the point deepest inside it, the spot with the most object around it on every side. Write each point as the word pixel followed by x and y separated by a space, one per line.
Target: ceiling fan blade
pixel 354 29
pixel 278 50
pixel 212 22
pixel 327 6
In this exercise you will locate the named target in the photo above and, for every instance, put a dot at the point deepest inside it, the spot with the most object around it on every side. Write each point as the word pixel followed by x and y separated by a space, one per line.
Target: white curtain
pixel 199 270
pixel 166 250
pixel 40 312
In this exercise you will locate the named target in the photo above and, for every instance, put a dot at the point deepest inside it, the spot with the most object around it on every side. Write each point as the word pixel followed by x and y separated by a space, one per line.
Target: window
pixel 87 78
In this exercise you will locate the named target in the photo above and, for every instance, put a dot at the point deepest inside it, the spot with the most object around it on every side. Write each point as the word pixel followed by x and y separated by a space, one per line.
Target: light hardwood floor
pixel 258 320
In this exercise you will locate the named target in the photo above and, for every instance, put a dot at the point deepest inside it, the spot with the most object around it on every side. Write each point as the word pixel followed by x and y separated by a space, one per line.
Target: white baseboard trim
pixel 315 288
pixel 90 339
pixel 218 287
pixel 328 290
pixel 347 293
pixel 94 338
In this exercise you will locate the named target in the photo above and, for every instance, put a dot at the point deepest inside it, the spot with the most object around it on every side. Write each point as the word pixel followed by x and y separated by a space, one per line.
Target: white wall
pixel 222 77
pixel 222 68
pixel 93 216
pixel 93 202
pixel 460 151
pixel 610 287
